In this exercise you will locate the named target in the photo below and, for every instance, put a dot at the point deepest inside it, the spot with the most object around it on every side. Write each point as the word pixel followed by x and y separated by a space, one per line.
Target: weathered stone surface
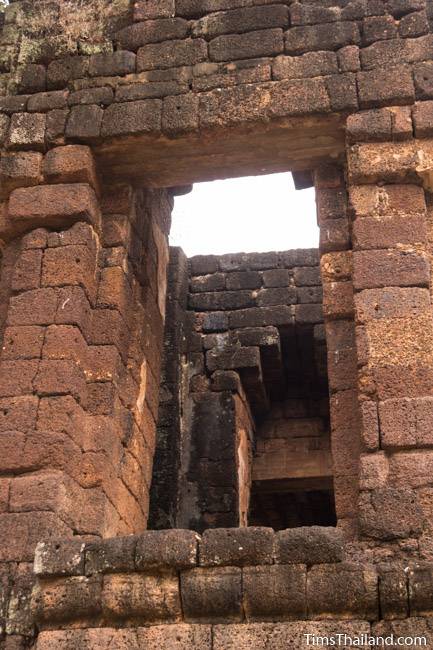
pixel 171 54
pixel 212 594
pixel 132 117
pixel 286 586
pixel 54 205
pixel 342 591
pixel 27 131
pixel 167 548
pixel 62 558
pixel 239 547
pixel 151 598
pixel 70 164
pixel 309 545
pixel 390 513
pixel 250 45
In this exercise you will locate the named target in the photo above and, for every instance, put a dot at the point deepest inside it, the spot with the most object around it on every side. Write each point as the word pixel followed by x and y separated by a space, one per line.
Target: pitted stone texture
pixel 213 595
pixel 236 546
pixel 309 545
pixel 62 558
pixel 172 548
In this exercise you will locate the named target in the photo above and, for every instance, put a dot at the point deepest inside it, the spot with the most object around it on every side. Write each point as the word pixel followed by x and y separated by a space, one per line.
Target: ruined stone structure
pixel 108 109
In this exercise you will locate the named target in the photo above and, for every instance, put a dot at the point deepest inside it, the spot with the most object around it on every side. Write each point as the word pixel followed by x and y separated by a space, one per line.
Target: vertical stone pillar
pixel 394 330
pixel 82 292
pixel 338 309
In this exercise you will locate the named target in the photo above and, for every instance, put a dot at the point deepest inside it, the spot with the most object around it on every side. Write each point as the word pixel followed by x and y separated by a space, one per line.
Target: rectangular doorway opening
pixel 244 431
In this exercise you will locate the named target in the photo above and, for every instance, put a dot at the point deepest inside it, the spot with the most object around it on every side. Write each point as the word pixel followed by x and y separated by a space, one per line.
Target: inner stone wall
pixel 243 333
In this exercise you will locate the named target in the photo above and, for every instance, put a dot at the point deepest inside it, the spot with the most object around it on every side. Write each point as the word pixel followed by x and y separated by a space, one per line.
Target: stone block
pixel 373 470
pixel 387 200
pixel 267 42
pixel 27 131
pixel 27 529
pixel 22 342
pixel 391 302
pixel 64 599
pixel 59 558
pixel 390 513
pixel 4 494
pixel 348 59
pixel 59 377
pixel 56 126
pixel 203 264
pixel 330 36
pixel 151 598
pixel 110 555
pixel 276 296
pixel 338 300
pixel 334 236
pixel 309 545
pixel 70 265
pixel 70 164
pixel 311 64
pixel 171 54
pixel 421 590
pixel 20 169
pixel 17 377
pixel 413 25
pixel 342 591
pixel 423 119
pixel 151 9
pixel 27 271
pixel 4 127
pixel 386 87
pixel 37 307
pixel 387 268
pixel 331 204
pixel 44 102
pixel 213 594
pixel 114 291
pixel 54 205
pixel 132 117
pixel 73 308
pixel 240 20
pixel 108 65
pixel 342 90
pixel 18 413
pixel 393 591
pixel 378 28
pixel 278 636
pixel 205 283
pixel 388 232
pixel 261 316
pixel 180 114
pixel 370 426
pixel 166 548
pixel 286 583
pixel 271 279
pixel 370 126
pixel 84 123
pixel 104 96
pixel 33 78
pixel 179 636
pixel 151 31
pixel 423 78
pixel 236 546
pixel 65 69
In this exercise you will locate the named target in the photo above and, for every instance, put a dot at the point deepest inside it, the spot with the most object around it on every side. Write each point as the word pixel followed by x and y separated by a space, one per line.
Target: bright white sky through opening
pixel 251 214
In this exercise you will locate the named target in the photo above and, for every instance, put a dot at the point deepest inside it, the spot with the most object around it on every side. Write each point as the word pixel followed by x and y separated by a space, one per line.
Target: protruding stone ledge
pixel 178 549
pixel 225 576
